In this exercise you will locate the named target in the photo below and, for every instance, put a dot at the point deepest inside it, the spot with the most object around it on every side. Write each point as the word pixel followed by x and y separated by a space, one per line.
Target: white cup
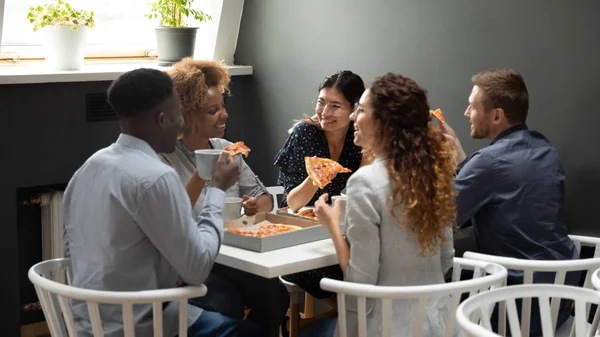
pixel 232 209
pixel 205 162
pixel 343 200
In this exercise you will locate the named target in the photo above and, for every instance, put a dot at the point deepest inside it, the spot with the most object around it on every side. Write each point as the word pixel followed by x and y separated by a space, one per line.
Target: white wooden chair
pixel 473 315
pixel 59 316
pixel 485 276
pixel 275 191
pixel 561 268
pixel 596 284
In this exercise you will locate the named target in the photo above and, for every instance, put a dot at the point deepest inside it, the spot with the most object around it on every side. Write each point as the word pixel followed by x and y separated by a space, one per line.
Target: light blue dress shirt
pixel 129 227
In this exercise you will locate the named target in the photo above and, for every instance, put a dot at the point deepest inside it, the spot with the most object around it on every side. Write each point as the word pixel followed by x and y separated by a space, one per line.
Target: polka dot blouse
pixel 307 141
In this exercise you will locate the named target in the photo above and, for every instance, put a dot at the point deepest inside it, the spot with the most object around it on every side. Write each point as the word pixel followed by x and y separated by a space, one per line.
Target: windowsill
pixel 35 71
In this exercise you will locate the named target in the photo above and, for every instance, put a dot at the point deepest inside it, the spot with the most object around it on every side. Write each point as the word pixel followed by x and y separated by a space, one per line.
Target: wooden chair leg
pixel 309 305
pixel 294 319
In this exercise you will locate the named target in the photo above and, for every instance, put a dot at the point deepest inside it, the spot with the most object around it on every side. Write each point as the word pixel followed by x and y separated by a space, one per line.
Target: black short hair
pixel 347 82
pixel 139 91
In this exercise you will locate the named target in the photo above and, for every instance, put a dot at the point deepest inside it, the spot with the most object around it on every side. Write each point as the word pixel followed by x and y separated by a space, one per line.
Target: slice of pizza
pixel 437 113
pixel 238 148
pixel 308 213
pixel 274 229
pixel 322 170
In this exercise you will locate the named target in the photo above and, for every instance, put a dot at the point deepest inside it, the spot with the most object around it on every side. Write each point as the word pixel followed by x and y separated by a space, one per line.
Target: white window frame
pixel 216 39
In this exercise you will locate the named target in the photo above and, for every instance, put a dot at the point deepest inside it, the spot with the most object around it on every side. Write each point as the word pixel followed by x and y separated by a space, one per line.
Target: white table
pixel 280 262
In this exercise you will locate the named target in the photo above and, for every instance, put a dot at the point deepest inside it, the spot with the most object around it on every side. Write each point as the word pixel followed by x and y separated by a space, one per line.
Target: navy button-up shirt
pixel 513 192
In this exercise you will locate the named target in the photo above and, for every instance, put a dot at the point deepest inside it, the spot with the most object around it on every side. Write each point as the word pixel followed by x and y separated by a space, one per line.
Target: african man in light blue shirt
pixel 128 222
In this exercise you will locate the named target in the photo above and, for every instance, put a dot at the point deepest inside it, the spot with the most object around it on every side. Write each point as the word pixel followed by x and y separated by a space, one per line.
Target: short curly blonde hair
pixel 192 78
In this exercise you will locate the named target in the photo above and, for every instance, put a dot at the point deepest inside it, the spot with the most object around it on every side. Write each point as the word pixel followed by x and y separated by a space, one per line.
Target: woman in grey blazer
pixel 400 209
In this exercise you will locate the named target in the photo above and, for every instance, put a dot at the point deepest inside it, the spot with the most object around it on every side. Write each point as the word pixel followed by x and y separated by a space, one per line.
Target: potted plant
pixel 174 39
pixel 66 31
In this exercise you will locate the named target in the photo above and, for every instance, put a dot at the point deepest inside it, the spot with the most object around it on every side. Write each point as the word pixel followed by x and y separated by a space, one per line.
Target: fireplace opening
pixel 40 230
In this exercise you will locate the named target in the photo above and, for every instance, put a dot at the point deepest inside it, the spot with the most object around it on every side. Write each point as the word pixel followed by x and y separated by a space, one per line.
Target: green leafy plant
pixel 59 13
pixel 173 13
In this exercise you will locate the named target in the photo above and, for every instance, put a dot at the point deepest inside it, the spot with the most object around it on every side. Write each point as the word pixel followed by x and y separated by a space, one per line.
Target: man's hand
pixel 226 172
pixel 250 205
pixel 449 133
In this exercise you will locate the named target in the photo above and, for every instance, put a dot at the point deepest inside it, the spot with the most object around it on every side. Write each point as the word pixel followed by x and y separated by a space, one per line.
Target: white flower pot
pixel 64 47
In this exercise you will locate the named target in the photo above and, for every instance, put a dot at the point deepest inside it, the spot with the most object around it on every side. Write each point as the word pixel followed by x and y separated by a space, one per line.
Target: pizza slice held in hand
pixel 322 170
pixel 307 213
pixel 238 148
pixel 437 113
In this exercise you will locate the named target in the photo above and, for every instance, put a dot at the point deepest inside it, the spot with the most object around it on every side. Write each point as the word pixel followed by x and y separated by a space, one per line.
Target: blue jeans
pixel 213 324
pixel 320 328
pixel 230 291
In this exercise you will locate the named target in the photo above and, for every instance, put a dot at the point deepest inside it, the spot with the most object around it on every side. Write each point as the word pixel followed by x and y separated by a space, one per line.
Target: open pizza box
pixel 310 231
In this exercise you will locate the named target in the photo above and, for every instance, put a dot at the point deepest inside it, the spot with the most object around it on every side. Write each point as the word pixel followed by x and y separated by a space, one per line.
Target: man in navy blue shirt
pixel 513 190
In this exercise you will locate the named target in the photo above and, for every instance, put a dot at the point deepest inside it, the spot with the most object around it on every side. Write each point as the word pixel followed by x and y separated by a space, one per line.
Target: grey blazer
pixel 383 252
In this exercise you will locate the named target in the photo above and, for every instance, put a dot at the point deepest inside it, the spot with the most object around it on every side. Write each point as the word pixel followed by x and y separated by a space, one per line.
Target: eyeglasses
pixel 332 108
pixel 358 108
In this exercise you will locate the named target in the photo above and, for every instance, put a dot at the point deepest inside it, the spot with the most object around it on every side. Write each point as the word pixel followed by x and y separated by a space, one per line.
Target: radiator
pixel 53 229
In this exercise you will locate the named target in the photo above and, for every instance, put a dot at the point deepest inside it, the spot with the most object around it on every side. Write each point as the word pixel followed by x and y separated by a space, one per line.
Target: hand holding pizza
pixel 448 132
pixel 328 216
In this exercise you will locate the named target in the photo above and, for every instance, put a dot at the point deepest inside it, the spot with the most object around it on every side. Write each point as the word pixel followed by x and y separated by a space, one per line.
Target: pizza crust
pixel 438 114
pixel 312 174
pixel 238 148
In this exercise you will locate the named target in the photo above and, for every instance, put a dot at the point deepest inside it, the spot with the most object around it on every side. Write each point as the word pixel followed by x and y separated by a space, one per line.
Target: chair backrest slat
pixel 55 298
pixel 419 317
pixel 67 315
pixel 95 319
pixel 513 318
pixel 157 317
pixel 456 272
pixel 386 317
pixel 526 306
pixel 547 325
pixel 127 310
pixel 555 302
pixel 182 318
pixel 342 325
pixel 454 301
pixel 489 275
pixel 50 315
pixel 580 318
pixel 484 317
pixel 362 316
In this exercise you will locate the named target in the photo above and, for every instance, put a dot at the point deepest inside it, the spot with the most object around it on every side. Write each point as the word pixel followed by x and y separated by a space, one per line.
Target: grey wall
pixel 441 44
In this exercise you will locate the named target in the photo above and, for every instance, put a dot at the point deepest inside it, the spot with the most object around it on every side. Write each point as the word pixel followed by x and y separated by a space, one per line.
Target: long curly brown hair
pixel 192 78
pixel 421 163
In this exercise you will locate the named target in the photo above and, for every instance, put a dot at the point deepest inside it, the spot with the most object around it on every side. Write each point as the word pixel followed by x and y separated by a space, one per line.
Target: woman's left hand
pixel 328 216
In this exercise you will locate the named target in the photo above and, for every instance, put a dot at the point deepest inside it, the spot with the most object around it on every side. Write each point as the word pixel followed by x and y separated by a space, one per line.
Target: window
pixel 121 29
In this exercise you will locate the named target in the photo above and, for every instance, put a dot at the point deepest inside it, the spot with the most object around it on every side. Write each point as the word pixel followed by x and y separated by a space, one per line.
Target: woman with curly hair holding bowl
pixel 400 209
pixel 201 85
